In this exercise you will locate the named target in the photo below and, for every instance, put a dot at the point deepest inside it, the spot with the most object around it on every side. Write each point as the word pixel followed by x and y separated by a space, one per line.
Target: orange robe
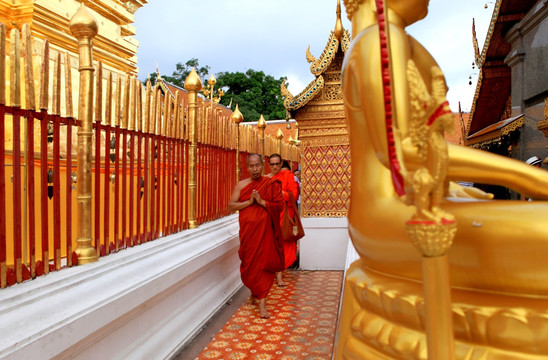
pixel 288 185
pixel 261 246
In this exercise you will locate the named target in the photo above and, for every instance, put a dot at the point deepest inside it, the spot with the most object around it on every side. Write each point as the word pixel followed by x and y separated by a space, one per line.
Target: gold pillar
pixel 193 84
pixel 434 240
pixel 237 118
pixel 279 136
pixel 261 125
pixel 84 27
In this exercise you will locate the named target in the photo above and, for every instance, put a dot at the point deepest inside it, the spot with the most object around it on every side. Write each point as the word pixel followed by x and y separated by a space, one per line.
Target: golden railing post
pixel 237 118
pixel 261 125
pixel 84 27
pixel 279 136
pixel 193 84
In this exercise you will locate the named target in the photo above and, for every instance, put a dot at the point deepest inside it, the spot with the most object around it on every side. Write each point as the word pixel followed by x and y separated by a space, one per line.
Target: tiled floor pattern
pixel 301 326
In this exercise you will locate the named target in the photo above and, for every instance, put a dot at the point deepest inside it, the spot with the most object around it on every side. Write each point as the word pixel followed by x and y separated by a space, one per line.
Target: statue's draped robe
pixel 261 246
pixel 288 185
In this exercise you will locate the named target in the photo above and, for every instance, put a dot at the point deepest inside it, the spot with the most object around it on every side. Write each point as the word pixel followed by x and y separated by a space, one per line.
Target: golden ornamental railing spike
pixel 2 65
pixel 30 100
pixel 15 69
pixel 125 106
pixel 99 93
pixel 148 100
pixel 158 110
pixel 118 101
pixel 176 115
pixel 44 78
pixel 108 102
pixel 131 110
pixel 68 86
pixel 84 27
pixel 56 96
pixel 139 105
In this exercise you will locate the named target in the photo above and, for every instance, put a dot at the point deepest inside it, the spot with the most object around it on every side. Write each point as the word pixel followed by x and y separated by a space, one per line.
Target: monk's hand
pixel 255 195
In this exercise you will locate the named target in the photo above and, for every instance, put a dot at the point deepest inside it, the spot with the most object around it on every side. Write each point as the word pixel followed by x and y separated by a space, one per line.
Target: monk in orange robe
pixel 259 202
pixel 289 185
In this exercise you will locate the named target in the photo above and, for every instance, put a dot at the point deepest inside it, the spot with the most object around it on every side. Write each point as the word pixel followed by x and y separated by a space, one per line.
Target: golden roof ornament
pixel 279 134
pixel 261 124
pixel 339 30
pixel 237 117
pixel 193 82
pixel 83 23
pixel 212 81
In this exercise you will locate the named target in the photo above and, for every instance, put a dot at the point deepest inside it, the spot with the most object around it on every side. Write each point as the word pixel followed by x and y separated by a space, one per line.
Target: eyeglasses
pixel 275 164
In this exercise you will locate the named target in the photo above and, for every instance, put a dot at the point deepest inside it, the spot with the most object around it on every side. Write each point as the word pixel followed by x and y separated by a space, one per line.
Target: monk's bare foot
pixel 262 309
pixel 279 280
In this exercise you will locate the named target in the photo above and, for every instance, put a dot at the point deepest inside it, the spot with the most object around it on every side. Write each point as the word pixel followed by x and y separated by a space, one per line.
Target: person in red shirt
pixel 289 185
pixel 259 202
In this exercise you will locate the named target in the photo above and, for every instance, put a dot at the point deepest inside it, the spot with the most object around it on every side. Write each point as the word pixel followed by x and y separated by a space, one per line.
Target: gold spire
pixel 339 30
pixel 83 24
pixel 193 82
pixel 261 124
pixel 279 134
pixel 237 116
pixel 212 81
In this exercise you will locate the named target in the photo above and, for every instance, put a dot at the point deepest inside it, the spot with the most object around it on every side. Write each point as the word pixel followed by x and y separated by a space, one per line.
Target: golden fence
pixel 120 173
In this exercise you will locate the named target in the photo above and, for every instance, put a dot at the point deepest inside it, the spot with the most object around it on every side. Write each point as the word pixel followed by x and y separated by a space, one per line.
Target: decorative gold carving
pixel 309 57
pixel 330 51
pixel 332 77
pixel 485 331
pixel 330 141
pixel 326 180
pixel 294 103
pixel 130 6
pixel 513 126
pixel 345 43
pixel 333 92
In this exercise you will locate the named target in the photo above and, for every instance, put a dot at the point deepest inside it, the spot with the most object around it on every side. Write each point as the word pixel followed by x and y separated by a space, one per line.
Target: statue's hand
pixel 470 192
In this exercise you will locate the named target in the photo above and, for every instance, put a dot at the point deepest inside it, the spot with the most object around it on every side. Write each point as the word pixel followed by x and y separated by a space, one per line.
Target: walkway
pixel 301 326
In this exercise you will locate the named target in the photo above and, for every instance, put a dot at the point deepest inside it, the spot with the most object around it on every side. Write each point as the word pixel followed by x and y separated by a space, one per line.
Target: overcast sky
pixel 272 36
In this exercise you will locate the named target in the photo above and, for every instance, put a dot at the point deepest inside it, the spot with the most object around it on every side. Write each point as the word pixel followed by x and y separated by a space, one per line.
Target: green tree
pixel 182 70
pixel 254 92
pixel 180 74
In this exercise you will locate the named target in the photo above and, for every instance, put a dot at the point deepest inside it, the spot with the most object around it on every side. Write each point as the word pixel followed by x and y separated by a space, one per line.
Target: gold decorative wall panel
pixel 326 181
pixel 325 149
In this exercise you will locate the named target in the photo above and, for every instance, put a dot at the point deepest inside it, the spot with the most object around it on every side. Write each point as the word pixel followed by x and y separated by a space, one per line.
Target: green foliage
pixel 182 70
pixel 254 92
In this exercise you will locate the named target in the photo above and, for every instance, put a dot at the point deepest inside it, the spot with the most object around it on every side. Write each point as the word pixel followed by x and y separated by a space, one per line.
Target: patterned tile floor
pixel 303 317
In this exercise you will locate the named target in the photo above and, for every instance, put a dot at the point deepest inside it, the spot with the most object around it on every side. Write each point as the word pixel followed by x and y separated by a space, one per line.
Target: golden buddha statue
pixel 499 282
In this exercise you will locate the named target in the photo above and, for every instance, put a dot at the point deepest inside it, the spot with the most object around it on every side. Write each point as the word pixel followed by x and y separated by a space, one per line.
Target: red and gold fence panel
pixel 139 163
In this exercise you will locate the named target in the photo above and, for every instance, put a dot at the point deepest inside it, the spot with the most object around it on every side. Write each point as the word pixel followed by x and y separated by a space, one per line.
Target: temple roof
pixel 494 82
pixel 495 131
pixel 338 39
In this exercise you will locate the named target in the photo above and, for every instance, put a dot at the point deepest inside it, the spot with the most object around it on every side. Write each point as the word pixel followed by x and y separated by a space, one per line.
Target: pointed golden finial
pixel 279 134
pixel 193 82
pixel 261 124
pixel 237 116
pixel 339 30
pixel 83 23
pixel 212 81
